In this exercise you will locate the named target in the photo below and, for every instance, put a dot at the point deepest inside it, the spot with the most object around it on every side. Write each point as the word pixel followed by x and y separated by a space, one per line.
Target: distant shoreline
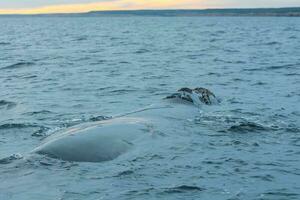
pixel 231 12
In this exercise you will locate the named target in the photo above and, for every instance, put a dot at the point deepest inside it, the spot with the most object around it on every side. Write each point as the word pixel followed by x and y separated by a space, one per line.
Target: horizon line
pixel 148 9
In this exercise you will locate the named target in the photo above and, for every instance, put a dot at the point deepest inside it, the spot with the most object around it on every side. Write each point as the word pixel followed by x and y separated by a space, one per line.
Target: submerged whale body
pixel 108 139
pixel 94 142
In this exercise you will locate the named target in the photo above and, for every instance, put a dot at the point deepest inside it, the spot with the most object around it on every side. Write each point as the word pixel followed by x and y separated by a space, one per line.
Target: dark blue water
pixel 59 72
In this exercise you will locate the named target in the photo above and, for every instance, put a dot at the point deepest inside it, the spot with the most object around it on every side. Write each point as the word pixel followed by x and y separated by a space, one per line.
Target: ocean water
pixel 56 72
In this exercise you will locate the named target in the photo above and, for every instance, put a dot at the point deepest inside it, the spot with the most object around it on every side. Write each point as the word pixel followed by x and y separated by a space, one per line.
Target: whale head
pixel 196 96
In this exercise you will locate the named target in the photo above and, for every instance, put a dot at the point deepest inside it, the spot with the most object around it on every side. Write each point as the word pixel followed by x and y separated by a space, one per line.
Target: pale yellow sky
pixel 46 6
pixel 108 5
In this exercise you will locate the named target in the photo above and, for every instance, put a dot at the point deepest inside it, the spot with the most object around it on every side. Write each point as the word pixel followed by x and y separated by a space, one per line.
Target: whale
pixel 108 139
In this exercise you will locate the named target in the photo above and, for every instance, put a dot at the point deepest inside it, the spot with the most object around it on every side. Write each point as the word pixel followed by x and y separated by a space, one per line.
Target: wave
pixel 272 43
pixel 81 38
pixel 141 51
pixel 17 125
pixel 37 112
pixel 183 188
pixel 29 77
pixel 247 127
pixel 104 88
pixel 292 74
pixel 99 118
pixel 7 104
pixel 122 91
pixel 285 66
pixel 4 43
pixel 42 132
pixel 75 121
pixel 18 65
pixel 125 173
pixel 292 129
pixel 170 190
pixel 11 158
pixel 260 83
pixel 274 67
pixel 253 123
pixel 280 194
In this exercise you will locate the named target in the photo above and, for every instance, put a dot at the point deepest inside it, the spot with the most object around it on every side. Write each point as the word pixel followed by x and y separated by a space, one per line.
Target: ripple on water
pixel 4 43
pixel 280 194
pixel 273 67
pixel 236 124
pixel 125 173
pixel 284 66
pixel 266 177
pixel 122 91
pixel 11 158
pixel 41 112
pixel 7 104
pixel 244 127
pixel 17 125
pixel 183 188
pixel 41 132
pixel 18 65
pixel 168 190
pixel 142 51
pixel 99 118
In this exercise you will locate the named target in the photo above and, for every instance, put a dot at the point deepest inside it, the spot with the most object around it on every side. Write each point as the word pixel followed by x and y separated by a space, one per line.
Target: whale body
pixel 99 141
pixel 106 140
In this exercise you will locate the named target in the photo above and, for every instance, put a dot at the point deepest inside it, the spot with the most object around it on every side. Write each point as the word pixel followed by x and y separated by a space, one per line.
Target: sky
pixel 74 6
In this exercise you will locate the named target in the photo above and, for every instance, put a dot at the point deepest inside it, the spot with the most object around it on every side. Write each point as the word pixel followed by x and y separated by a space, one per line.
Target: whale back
pixel 102 141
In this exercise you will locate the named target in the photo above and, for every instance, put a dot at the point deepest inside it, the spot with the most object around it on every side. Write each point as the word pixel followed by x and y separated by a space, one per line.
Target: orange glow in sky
pixel 110 5
pixel 53 6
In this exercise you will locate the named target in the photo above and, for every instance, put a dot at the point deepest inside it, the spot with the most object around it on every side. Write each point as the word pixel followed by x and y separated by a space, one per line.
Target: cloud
pixel 109 5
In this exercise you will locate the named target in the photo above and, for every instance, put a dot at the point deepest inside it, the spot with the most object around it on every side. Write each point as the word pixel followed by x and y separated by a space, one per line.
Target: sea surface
pixel 56 72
